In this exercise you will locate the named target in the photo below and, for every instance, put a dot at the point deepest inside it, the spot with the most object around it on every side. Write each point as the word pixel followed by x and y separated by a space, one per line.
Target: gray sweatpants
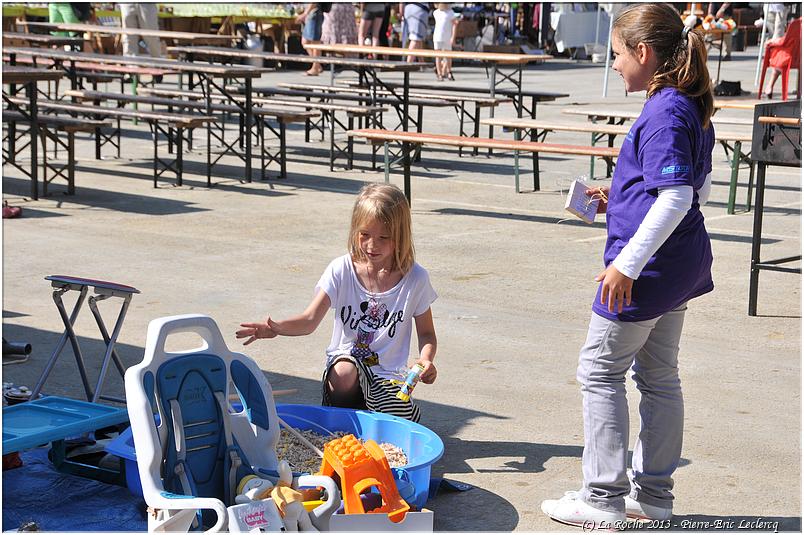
pixel 650 350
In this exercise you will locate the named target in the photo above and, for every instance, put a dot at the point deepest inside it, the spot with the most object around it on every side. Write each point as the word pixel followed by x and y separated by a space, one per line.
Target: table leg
pixel 249 117
pixel 756 241
pixel 31 88
pixel 406 146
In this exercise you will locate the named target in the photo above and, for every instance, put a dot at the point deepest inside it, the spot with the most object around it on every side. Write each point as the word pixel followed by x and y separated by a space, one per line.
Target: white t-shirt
pixel 443 25
pixel 374 327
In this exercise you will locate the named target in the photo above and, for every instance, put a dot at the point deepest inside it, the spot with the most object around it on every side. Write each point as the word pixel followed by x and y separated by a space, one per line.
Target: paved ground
pixel 515 285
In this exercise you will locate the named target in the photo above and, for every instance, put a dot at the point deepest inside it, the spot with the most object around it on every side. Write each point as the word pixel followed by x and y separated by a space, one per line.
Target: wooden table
pixel 117 30
pixel 493 59
pixel 367 70
pixel 41 39
pixel 27 77
pixel 211 76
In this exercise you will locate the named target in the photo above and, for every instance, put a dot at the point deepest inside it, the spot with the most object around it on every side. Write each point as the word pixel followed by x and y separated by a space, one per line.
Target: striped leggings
pixel 379 393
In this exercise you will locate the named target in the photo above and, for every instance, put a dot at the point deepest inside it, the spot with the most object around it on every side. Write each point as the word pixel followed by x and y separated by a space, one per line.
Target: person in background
pixel 339 26
pixel 723 11
pixel 417 15
pixel 70 13
pixel 777 19
pixel 371 17
pixel 140 16
pixel 443 37
pixel 313 20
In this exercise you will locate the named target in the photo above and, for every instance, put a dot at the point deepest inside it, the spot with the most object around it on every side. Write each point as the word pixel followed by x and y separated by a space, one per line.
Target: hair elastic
pixel 685 32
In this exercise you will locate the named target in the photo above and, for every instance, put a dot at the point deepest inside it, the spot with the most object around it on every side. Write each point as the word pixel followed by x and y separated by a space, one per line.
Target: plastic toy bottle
pixel 410 382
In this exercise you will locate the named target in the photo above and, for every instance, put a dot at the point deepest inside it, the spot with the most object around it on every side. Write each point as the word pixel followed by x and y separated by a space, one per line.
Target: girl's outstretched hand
pixel 603 194
pixel 616 288
pixel 254 331
pixel 429 374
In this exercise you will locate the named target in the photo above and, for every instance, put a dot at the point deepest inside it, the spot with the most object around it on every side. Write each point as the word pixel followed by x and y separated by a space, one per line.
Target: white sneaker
pixel 644 511
pixel 572 510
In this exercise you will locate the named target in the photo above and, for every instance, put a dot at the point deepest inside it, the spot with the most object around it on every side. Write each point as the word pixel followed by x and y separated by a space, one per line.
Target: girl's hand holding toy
pixel 429 374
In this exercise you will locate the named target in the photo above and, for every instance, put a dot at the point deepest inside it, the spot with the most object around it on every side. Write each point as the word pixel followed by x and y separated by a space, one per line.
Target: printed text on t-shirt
pixel 353 318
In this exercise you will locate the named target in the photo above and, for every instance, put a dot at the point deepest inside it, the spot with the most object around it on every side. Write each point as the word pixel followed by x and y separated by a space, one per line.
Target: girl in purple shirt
pixel 657 257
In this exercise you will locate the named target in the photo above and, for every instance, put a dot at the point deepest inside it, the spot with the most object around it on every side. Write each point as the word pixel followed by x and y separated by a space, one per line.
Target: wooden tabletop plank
pixel 95 67
pixel 487 101
pixel 542 96
pixel 43 39
pixel 326 60
pixel 737 104
pixel 223 71
pixel 597 128
pixel 627 114
pixel 22 75
pixel 484 57
pixel 117 30
pixel 502 144
pixel 186 120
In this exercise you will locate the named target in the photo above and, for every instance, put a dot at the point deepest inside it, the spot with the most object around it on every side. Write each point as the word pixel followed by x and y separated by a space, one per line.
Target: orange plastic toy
pixel 361 466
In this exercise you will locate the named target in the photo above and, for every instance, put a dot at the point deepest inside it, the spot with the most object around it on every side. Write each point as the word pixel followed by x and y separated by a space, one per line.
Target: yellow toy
pixel 361 466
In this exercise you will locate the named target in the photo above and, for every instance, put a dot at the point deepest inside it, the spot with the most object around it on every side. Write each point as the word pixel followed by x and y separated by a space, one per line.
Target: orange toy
pixel 361 466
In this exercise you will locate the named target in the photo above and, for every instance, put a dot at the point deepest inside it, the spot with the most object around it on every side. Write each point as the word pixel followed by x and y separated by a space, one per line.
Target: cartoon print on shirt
pixel 374 317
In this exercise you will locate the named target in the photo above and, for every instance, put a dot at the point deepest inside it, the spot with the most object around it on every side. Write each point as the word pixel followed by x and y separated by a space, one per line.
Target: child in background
pixel 657 256
pixel 445 21
pixel 378 292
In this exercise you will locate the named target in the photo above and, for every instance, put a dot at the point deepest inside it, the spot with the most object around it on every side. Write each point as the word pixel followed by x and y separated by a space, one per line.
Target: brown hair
pixel 681 58
pixel 385 203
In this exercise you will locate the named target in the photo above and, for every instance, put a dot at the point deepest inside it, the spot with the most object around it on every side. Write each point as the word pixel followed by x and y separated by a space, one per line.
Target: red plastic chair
pixel 784 54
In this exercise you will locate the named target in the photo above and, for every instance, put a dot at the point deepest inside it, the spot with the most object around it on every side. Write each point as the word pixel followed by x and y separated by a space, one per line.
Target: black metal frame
pixel 765 138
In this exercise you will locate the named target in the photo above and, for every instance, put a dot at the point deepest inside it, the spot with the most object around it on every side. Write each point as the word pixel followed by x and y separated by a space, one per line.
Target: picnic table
pixel 208 73
pixel 41 39
pixel 367 70
pixel 27 77
pixel 493 59
pixel 117 30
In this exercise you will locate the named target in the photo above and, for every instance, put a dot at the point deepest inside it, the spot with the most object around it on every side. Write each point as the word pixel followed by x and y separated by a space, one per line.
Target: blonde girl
pixel 657 257
pixel 378 292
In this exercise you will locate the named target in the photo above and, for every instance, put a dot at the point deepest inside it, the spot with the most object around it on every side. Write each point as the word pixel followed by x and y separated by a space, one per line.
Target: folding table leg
pixel 68 333
pixel 110 341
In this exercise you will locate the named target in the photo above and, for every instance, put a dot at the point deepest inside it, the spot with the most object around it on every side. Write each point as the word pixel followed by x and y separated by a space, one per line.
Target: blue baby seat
pixel 192 446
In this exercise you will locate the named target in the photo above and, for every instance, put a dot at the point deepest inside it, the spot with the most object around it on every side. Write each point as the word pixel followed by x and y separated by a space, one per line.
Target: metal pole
pixel 608 54
pixel 761 45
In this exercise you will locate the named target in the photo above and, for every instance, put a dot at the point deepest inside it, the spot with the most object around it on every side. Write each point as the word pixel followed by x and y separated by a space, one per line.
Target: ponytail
pixel 681 52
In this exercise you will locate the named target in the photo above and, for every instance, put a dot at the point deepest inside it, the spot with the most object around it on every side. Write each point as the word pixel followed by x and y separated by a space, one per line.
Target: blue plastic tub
pixel 422 446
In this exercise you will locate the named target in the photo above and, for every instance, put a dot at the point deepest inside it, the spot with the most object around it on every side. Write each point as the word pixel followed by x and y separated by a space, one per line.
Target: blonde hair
pixel 682 59
pixel 387 204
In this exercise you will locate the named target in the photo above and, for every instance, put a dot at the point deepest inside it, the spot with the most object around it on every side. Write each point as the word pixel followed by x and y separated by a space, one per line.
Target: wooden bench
pixel 460 101
pixel 328 112
pixel 49 127
pixel 155 120
pixel 282 116
pixel 730 141
pixel 416 138
pixel 371 115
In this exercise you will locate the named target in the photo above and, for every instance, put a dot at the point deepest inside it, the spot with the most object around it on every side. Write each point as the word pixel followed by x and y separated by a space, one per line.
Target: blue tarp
pixel 61 502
